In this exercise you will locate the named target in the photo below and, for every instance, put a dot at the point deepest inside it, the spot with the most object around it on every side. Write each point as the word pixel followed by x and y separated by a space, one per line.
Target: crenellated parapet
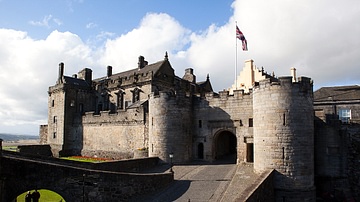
pixel 302 84
pixel 128 117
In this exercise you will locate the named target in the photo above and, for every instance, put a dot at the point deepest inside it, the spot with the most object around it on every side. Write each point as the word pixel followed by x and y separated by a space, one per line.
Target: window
pixel 344 115
pixel 136 95
pixel 53 103
pixel 55 119
pixel 120 100
pixel 54 135
pixel 81 108
pixel 200 124
pixel 250 122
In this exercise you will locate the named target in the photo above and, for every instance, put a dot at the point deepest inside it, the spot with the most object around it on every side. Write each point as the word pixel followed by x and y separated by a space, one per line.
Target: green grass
pixel 45 196
pixel 10 148
pixel 85 159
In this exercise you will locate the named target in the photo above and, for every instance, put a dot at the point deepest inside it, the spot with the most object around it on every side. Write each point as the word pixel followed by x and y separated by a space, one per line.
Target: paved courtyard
pixel 206 182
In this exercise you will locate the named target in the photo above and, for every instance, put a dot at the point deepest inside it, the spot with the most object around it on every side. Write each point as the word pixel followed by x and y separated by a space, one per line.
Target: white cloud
pixel 319 38
pixel 28 68
pixel 57 21
pixel 45 22
pixel 91 25
pixel 156 34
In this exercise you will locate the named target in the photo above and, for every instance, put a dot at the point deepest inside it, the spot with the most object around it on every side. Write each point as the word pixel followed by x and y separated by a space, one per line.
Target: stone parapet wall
pixel 75 184
pixel 128 117
pixel 262 190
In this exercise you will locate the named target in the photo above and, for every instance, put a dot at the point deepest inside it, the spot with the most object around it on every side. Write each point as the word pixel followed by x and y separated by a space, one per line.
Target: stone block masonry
pixel 284 135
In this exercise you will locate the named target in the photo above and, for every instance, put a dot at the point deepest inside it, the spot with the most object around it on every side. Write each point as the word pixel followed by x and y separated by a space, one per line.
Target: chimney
pixel 61 71
pixel 293 74
pixel 189 75
pixel 142 63
pixel 86 74
pixel 109 71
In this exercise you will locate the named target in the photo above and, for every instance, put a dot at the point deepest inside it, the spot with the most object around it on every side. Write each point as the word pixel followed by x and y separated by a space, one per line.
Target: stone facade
pixel 284 135
pixel 337 111
pixel 268 121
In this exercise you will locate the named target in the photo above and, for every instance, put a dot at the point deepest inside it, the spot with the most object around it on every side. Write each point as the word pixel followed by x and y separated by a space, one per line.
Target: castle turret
pixel 284 136
pixel 170 126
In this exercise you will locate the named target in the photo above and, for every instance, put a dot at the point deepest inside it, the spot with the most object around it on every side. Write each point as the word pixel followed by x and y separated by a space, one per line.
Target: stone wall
pixel 284 135
pixel 114 135
pixel 262 189
pixel 354 162
pixel 170 126
pixel 223 112
pixel 73 183
pixel 43 134
pixel 41 150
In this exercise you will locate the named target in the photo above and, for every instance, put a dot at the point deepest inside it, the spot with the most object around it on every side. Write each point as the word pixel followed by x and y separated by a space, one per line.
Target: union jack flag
pixel 241 37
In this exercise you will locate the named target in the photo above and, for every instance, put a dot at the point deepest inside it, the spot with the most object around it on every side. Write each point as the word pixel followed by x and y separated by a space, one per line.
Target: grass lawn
pixel 86 159
pixel 45 196
pixel 10 148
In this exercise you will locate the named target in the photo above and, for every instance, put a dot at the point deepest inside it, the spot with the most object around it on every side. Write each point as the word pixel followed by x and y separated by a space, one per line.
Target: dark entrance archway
pixel 225 147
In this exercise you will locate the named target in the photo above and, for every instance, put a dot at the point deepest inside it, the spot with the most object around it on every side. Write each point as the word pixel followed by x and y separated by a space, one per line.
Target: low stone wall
pixel 261 190
pixel 42 150
pixel 129 165
pixel 75 183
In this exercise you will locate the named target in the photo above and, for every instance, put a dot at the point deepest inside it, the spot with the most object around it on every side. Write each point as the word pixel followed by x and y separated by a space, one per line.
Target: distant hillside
pixel 12 137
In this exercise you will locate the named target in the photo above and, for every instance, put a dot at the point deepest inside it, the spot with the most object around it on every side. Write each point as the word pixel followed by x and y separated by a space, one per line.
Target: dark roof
pixel 75 81
pixel 151 67
pixel 338 93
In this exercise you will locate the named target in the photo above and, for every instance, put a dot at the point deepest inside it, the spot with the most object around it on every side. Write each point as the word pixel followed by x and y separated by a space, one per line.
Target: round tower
pixel 284 136
pixel 170 126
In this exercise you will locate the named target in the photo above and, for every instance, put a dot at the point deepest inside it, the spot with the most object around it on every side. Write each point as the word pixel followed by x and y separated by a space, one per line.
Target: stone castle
pixel 148 111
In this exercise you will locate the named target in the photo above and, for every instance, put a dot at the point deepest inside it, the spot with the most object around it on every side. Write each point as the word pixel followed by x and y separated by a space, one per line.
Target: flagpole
pixel 236 58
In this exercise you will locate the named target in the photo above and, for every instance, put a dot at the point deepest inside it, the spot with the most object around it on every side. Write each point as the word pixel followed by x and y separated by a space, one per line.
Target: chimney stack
pixel 109 71
pixel 293 74
pixel 61 72
pixel 86 74
pixel 142 63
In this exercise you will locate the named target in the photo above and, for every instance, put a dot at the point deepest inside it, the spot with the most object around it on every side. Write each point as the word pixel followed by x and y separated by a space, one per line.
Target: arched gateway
pixel 224 146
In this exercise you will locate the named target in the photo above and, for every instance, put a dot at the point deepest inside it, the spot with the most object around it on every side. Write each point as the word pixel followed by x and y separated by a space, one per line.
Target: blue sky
pixel 319 38
pixel 89 18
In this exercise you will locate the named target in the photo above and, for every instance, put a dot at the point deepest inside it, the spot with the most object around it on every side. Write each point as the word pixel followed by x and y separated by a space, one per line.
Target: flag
pixel 241 37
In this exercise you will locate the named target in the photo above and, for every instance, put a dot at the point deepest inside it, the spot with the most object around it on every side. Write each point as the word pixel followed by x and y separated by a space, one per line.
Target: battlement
pixel 303 83
pixel 225 94
pixel 167 95
pixel 130 116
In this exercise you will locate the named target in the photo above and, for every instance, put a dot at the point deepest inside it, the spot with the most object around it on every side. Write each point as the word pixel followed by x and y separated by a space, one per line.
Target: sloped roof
pixel 154 67
pixel 205 85
pixel 337 93
pixel 75 81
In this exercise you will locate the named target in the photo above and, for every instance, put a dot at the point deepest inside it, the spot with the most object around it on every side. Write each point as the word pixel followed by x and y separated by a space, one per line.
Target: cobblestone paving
pixel 197 183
